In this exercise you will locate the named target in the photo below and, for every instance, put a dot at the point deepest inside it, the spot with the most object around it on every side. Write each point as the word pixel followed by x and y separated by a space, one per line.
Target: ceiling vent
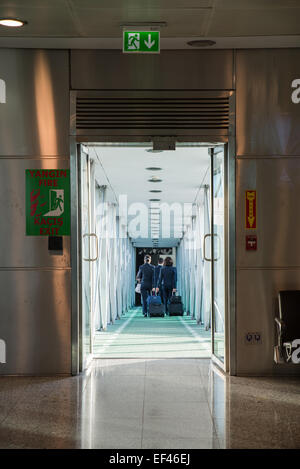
pixel 152 113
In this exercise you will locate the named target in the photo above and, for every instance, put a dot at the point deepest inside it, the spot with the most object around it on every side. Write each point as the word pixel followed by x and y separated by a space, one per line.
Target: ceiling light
pixel 154 200
pixel 201 43
pixel 154 179
pixel 154 168
pixel 142 25
pixel 150 150
pixel 12 22
pixel 155 191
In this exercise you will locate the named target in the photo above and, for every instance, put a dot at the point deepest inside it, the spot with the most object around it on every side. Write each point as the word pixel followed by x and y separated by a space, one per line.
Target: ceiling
pixel 183 172
pixel 97 23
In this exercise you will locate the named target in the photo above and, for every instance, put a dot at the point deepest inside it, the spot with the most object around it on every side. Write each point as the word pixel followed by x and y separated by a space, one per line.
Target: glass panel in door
pixel 84 184
pixel 218 250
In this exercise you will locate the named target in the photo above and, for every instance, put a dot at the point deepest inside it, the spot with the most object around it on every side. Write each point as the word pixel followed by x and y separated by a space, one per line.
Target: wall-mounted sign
pixel 251 243
pixel 141 42
pixel 47 202
pixel 251 210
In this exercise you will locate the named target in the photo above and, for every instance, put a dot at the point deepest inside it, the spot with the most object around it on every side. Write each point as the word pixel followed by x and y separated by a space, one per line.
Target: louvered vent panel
pixel 202 113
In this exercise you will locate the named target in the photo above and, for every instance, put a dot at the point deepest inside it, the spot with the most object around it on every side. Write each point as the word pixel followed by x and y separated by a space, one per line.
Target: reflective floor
pixel 148 403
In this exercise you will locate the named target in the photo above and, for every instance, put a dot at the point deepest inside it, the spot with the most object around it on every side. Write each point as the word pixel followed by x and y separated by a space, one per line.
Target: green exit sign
pixel 141 42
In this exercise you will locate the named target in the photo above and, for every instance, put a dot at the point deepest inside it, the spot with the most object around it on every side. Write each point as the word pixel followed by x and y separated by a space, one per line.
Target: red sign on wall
pixel 251 243
pixel 250 210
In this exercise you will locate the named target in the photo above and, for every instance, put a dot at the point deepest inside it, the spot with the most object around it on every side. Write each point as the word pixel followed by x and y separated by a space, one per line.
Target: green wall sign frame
pixel 141 42
pixel 47 202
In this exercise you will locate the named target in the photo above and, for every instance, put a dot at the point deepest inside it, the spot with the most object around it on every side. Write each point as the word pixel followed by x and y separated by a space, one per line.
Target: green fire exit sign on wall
pixel 47 201
pixel 141 42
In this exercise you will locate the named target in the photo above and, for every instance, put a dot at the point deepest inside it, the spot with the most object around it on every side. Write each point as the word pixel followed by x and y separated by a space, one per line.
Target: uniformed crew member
pixel 145 275
pixel 157 272
pixel 167 280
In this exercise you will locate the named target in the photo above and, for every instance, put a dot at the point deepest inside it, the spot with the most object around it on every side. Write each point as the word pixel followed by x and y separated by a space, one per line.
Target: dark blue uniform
pixel 156 279
pixel 167 281
pixel 146 275
pixel 156 274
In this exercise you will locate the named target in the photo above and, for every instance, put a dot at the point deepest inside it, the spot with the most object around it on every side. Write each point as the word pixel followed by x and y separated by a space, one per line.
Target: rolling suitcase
pixel 175 299
pixel 156 310
pixel 154 299
pixel 175 306
pixel 155 306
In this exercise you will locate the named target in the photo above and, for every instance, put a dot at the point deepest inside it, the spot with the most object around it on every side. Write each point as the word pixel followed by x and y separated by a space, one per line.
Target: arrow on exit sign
pixel 141 42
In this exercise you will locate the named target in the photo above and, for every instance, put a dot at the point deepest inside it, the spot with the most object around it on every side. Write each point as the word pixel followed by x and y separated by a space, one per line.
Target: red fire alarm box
pixel 251 243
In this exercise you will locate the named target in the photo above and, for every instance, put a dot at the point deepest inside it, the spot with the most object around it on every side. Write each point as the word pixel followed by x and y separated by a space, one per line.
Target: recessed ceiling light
pixel 154 179
pixel 201 43
pixel 154 168
pixel 154 200
pixel 150 150
pixel 155 191
pixel 12 22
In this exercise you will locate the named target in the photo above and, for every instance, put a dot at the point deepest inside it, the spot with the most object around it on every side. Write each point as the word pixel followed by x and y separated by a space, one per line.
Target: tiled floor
pixel 148 403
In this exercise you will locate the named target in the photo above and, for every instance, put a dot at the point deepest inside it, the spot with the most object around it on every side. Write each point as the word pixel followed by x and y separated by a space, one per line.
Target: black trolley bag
pixel 175 306
pixel 156 308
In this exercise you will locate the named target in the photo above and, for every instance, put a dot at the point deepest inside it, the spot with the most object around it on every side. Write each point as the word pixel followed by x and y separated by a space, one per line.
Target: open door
pixel 89 255
pixel 218 259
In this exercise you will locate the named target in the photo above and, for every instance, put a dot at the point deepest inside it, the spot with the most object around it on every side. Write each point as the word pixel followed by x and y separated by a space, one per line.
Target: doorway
pixel 116 181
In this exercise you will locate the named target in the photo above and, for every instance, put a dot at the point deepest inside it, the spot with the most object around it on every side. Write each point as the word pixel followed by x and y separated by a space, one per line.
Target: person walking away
pixel 145 276
pixel 157 272
pixel 167 281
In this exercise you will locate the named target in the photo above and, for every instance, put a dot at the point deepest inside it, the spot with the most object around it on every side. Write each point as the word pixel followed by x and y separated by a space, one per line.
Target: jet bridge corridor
pixel 134 201
pixel 134 336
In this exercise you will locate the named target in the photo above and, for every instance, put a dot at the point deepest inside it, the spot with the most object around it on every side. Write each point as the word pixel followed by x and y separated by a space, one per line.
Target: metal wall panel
pixel 277 182
pixel 169 70
pixel 257 305
pixel 17 249
pixel 35 118
pixel 35 321
pixel 268 150
pixel 267 121
pixel 35 286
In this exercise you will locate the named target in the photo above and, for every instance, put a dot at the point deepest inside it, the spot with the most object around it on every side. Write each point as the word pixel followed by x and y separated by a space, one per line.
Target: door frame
pixel 230 223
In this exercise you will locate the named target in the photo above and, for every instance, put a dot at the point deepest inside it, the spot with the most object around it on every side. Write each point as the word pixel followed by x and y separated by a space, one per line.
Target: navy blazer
pixel 156 274
pixel 167 277
pixel 146 275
